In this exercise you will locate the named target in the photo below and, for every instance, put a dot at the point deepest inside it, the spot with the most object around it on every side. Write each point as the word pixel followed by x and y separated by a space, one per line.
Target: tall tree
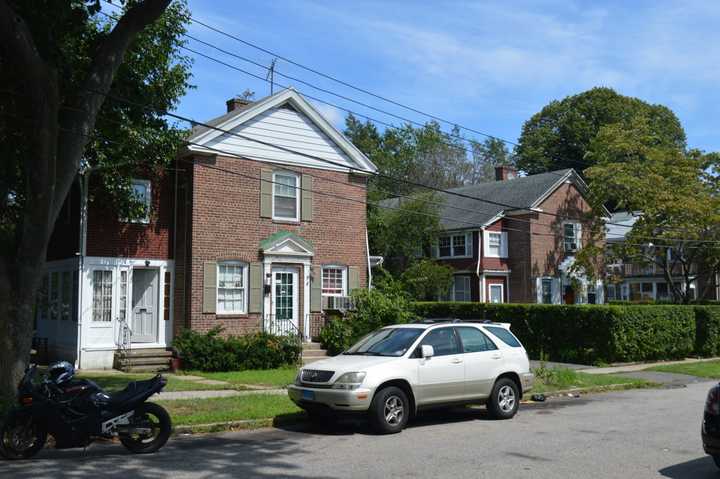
pixel 677 196
pixel 60 60
pixel 560 134
pixel 486 156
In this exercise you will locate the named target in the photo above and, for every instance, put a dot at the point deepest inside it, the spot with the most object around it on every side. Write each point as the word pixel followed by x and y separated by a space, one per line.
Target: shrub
pixel 373 309
pixel 707 333
pixel 212 352
pixel 585 333
pixel 336 336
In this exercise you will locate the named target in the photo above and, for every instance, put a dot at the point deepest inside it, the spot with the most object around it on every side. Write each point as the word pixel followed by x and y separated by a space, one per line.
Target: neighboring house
pixel 519 254
pixel 246 235
pixel 637 281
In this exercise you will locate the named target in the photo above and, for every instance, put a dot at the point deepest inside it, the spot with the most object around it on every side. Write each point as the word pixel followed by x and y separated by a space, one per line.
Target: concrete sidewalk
pixel 628 368
pixel 176 395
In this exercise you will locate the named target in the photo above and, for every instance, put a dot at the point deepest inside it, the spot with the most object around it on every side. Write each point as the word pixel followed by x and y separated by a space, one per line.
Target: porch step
pixel 314 353
pixel 146 369
pixel 144 360
pixel 143 353
pixel 313 345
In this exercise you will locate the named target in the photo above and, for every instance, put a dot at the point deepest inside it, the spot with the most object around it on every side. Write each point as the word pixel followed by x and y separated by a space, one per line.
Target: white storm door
pixel 145 305
pixel 285 293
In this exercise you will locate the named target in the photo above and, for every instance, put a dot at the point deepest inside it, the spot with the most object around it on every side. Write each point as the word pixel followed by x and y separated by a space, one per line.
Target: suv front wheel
pixel 389 411
pixel 504 400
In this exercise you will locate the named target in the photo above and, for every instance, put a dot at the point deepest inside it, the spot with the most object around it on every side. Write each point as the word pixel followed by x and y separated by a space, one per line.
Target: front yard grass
pixel 704 369
pixel 278 378
pixel 549 380
pixel 112 382
pixel 186 412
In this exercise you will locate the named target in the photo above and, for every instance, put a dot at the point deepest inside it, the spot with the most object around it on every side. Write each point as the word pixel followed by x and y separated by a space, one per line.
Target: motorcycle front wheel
pixel 20 436
pixel 150 428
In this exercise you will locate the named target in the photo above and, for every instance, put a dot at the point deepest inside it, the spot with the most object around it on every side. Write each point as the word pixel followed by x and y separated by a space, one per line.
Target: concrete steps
pixel 146 360
pixel 312 352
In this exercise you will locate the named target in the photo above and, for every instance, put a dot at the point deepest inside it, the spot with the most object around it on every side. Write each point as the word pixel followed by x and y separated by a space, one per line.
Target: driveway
pixel 631 434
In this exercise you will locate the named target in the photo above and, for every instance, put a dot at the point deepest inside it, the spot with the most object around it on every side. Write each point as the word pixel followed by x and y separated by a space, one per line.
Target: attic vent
pixel 287 106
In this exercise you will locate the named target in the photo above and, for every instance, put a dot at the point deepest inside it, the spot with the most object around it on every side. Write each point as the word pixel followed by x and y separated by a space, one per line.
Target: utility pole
pixel 271 74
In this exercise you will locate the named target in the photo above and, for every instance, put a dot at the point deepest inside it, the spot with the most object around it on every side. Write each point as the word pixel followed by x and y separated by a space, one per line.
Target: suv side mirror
pixel 427 351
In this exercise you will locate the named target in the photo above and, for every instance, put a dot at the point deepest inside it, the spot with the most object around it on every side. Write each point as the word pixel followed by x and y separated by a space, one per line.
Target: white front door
pixel 285 292
pixel 144 305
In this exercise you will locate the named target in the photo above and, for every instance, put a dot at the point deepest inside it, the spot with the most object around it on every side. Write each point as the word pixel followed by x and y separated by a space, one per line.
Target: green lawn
pixel 548 380
pixel 280 377
pixel 115 382
pixel 705 369
pixel 204 411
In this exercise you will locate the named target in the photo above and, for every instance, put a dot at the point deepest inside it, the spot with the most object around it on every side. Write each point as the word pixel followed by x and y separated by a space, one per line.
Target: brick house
pixel 520 254
pixel 258 229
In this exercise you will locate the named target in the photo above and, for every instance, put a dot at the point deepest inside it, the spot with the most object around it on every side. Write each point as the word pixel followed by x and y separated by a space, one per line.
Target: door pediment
pixel 285 243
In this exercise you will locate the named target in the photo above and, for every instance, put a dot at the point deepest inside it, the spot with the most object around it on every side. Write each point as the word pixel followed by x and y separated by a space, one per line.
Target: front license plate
pixel 308 394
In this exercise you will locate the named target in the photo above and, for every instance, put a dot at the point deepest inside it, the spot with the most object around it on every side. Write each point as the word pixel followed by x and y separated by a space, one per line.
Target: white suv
pixel 398 370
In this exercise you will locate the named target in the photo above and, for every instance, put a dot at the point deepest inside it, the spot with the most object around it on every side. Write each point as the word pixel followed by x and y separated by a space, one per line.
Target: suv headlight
pixel 349 381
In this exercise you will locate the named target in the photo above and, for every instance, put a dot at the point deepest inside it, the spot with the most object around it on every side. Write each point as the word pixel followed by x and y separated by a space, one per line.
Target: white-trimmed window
pixel 334 280
pixel 232 287
pixel 546 285
pixel 141 192
pixel 496 244
pixel 286 200
pixel 459 289
pixel 102 295
pixel 571 237
pixel 495 293
pixel 454 246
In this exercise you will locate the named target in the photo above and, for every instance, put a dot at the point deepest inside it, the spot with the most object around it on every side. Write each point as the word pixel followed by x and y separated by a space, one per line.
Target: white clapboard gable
pixel 284 128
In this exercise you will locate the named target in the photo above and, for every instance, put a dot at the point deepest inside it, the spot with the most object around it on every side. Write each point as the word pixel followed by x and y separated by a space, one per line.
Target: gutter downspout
pixel 481 287
pixel 84 179
pixel 367 251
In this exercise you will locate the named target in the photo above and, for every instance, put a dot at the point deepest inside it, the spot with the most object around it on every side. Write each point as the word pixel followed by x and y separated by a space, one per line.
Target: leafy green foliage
pixel 676 195
pixel 707 334
pixel 561 133
pixel 373 310
pixel 425 278
pixel 585 334
pixel 212 352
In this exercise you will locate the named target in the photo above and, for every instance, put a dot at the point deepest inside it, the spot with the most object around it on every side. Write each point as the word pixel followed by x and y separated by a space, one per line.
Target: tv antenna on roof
pixel 271 74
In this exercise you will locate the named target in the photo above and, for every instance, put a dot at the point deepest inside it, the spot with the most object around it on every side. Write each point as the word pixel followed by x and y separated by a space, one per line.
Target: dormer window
pixel 286 200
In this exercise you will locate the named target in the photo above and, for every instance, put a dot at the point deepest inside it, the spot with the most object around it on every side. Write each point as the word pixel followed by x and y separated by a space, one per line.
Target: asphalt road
pixel 631 434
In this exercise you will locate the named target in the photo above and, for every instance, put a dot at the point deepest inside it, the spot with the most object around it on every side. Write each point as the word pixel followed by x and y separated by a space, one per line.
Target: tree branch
pixel 89 99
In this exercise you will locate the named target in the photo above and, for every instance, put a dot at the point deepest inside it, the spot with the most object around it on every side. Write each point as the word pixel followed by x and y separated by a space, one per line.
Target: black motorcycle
pixel 77 411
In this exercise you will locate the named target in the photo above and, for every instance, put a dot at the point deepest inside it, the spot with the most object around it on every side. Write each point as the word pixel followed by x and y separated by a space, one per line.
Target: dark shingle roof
pixel 460 212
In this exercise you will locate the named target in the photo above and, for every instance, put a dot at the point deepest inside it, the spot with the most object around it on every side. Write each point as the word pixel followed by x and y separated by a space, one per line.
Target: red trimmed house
pixel 518 254
pixel 258 229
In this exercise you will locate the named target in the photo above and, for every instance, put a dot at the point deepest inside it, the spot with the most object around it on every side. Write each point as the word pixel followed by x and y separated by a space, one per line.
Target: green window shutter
pixel 256 288
pixel 316 290
pixel 209 286
pixel 353 278
pixel 306 208
pixel 266 187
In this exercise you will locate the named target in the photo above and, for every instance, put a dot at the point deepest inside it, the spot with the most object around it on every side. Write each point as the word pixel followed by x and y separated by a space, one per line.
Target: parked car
pixel 396 371
pixel 710 431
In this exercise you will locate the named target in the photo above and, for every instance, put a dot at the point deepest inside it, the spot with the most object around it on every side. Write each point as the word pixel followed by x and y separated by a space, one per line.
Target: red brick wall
pixel 465 264
pixel 226 224
pixel 108 236
pixel 495 280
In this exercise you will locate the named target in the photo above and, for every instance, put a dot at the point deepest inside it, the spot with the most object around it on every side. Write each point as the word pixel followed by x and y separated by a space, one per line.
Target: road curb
pixel 235 425
pixel 590 390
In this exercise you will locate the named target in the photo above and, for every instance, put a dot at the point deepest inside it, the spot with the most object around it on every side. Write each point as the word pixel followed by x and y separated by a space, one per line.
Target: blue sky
pixel 486 65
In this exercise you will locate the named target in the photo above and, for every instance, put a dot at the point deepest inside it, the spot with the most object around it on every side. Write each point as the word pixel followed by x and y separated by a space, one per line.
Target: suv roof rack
pixel 453 320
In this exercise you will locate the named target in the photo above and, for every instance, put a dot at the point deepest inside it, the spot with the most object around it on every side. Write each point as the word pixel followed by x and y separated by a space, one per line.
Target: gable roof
pixel 523 193
pixel 207 136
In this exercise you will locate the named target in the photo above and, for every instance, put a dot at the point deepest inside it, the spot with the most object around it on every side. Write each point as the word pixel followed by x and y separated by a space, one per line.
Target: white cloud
pixel 331 114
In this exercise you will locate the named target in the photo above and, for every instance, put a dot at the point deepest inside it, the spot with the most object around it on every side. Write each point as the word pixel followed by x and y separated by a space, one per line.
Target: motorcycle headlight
pixel 349 381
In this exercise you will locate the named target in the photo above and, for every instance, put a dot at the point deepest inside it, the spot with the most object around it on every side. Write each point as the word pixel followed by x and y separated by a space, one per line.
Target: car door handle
pixel 496 356
pixel 456 361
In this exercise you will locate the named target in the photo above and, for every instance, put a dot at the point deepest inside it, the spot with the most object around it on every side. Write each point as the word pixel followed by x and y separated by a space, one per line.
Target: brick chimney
pixel 503 173
pixel 237 104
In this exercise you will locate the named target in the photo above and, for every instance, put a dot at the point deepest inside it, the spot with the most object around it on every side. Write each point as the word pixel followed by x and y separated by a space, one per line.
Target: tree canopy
pixel 64 64
pixel 676 196
pixel 560 135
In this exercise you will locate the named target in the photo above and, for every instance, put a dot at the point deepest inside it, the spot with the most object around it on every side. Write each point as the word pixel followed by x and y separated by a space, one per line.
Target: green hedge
pixel 212 352
pixel 590 334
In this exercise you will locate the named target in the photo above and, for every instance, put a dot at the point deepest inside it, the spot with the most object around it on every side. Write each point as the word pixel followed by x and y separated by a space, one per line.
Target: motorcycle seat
pixel 134 390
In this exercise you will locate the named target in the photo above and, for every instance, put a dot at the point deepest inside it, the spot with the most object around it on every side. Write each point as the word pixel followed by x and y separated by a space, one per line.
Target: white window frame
pixel 502 292
pixel 503 244
pixel 344 279
pixel 450 295
pixel 468 245
pixel 101 322
pixel 577 231
pixel 245 288
pixel 543 281
pixel 296 218
pixel 148 200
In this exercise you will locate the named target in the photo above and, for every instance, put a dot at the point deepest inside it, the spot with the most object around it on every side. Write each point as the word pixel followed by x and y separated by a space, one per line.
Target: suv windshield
pixel 386 342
